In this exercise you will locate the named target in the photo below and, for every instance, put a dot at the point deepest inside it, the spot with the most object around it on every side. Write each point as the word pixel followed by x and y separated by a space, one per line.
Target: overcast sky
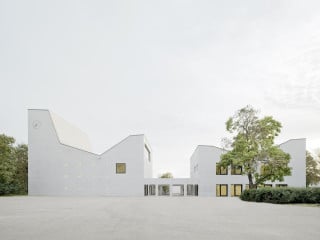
pixel 173 70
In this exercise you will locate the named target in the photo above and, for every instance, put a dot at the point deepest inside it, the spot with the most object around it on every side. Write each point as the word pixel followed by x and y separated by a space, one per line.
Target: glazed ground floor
pixel 51 218
pixel 178 187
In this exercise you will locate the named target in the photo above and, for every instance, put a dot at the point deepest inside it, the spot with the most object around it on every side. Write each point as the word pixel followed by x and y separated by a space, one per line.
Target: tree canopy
pixel 252 147
pixel 13 166
pixel 312 169
pixel 166 175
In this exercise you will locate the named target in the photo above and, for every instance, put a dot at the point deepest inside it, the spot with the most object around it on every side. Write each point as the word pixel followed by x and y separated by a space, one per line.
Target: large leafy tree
pixel 7 164
pixel 13 166
pixel 312 170
pixel 21 173
pixel 166 175
pixel 252 147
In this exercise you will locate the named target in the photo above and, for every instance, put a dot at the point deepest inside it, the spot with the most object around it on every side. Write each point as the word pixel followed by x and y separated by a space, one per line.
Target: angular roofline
pixel 212 146
pixel 201 145
pixel 67 145
pixel 292 139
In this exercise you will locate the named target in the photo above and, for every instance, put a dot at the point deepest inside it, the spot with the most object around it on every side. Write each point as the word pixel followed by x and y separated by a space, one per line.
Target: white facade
pixel 203 168
pixel 60 163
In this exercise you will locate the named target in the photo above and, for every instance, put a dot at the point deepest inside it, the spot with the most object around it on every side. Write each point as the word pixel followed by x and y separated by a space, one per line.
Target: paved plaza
pixel 154 218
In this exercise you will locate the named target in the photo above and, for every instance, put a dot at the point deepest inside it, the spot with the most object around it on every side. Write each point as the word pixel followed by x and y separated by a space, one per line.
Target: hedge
pixel 282 195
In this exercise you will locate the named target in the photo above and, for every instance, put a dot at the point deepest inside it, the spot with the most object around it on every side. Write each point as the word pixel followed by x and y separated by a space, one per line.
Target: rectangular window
pixel 267 185
pixel 222 190
pixel 190 189
pixel 196 189
pixel 177 190
pixel 152 189
pixel 146 190
pixel 281 185
pixel 248 186
pixel 236 190
pixel 236 170
pixel 147 153
pixel 120 168
pixel 164 190
pixel 221 170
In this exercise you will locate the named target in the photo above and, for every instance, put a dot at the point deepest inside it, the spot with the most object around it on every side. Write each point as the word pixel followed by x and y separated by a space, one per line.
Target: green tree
pixel 252 147
pixel 166 175
pixel 21 174
pixel 312 170
pixel 166 188
pixel 7 165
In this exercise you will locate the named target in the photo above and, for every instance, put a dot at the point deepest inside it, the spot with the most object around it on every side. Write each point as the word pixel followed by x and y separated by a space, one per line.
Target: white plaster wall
pixel 148 163
pixel 297 150
pixel 206 158
pixel 55 168
pixel 59 169
pixel 194 164
pixel 129 151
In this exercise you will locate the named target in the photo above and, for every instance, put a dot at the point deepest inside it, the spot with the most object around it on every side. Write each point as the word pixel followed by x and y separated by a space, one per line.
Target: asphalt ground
pixel 154 218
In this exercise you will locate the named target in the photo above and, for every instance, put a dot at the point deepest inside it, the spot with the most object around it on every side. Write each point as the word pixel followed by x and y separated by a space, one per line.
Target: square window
pixel 236 170
pixel 221 170
pixel 164 190
pixel 120 168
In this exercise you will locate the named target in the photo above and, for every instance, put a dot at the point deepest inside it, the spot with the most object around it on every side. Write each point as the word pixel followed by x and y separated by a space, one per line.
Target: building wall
pixel 206 157
pixel 297 150
pixel 60 163
pixel 148 160
pixel 59 169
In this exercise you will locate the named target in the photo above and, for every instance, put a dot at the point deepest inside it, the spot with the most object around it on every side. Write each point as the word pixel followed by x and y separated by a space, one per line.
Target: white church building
pixel 62 164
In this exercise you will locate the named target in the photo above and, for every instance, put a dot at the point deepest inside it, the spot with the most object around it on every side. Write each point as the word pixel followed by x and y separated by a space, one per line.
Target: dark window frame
pixel 281 185
pixel 146 188
pixel 152 189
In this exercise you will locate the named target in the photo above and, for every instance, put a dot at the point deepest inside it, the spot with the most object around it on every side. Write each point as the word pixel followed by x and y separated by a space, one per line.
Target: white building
pixel 61 163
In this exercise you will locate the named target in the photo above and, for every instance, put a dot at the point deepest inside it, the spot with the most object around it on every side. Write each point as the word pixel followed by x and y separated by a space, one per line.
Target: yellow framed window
pixel 221 170
pixel 120 168
pixel 222 190
pixel 236 170
pixel 236 190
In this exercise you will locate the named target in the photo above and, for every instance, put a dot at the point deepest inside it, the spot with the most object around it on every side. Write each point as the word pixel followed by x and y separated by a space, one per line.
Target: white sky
pixel 173 70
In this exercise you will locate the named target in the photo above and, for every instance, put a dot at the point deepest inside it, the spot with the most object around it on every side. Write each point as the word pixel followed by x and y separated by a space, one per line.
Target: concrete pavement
pixel 154 218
